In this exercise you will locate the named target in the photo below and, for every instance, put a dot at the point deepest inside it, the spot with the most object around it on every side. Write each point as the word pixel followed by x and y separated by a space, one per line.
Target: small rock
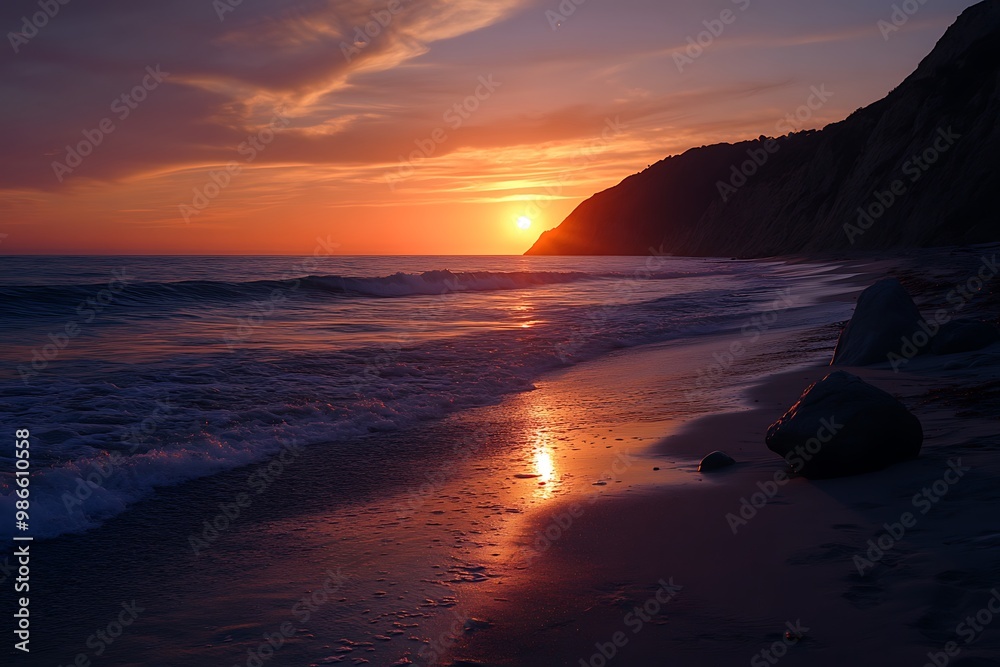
pixel 473 624
pixel 716 461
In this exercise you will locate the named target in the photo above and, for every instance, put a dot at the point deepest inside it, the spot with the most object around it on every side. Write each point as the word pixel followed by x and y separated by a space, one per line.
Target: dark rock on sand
pixel 843 426
pixel 884 317
pixel 716 461
pixel 474 624
pixel 964 336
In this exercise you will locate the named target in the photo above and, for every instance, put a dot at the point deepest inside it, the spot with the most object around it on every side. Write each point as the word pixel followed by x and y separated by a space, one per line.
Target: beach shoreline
pixel 432 553
pixel 753 554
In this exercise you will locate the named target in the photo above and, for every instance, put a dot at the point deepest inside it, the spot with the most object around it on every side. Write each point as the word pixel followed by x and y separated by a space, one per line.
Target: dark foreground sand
pixel 792 561
pixel 692 573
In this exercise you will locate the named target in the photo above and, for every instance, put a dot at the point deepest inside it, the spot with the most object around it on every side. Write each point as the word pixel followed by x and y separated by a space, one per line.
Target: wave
pixel 39 299
pixel 396 285
pixel 431 283
pixel 166 422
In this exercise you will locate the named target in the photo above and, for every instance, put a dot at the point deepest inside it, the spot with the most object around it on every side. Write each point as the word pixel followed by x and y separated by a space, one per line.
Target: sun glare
pixel 524 222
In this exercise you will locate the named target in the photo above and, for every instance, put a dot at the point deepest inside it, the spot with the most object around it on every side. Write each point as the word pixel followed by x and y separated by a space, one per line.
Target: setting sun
pixel 524 222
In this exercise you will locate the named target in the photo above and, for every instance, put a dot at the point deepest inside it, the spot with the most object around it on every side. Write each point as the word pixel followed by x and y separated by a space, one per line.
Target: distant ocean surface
pixel 140 372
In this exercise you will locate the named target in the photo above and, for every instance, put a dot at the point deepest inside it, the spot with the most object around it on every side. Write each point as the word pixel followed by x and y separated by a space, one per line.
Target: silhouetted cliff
pixel 920 163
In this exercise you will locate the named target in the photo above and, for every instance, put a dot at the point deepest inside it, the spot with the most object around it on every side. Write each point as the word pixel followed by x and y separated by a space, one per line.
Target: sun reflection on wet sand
pixel 545 468
pixel 544 465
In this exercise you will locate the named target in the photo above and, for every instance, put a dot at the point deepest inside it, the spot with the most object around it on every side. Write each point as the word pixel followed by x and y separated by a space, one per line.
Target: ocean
pixel 136 373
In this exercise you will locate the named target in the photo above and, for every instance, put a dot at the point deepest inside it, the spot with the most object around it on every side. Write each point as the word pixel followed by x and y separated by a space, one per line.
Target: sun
pixel 524 222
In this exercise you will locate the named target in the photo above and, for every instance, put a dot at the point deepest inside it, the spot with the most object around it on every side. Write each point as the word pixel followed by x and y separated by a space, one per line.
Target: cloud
pixel 227 78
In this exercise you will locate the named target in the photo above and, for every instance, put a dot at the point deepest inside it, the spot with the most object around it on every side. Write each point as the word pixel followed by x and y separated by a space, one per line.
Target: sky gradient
pixel 260 127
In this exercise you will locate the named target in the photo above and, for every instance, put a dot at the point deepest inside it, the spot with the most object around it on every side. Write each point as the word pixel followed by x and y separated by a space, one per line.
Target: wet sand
pixel 527 532
pixel 789 560
pixel 750 559
pixel 392 559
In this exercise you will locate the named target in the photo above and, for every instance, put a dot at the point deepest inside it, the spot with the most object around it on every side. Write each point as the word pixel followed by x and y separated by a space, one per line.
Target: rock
pixel 884 316
pixel 964 336
pixel 844 426
pixel 474 624
pixel 715 461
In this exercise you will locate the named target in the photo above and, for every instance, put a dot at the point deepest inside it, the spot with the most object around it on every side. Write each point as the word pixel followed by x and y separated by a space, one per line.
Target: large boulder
pixel 843 426
pixel 884 317
pixel 964 336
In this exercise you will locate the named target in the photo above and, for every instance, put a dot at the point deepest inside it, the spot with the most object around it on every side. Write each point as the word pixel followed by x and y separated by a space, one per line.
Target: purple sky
pixel 336 164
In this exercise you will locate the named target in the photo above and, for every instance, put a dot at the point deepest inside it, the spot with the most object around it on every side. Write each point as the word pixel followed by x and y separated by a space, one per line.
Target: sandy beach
pixel 749 555
pixel 570 521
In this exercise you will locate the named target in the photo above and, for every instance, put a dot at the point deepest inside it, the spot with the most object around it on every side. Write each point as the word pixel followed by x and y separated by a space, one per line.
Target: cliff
pixel 920 164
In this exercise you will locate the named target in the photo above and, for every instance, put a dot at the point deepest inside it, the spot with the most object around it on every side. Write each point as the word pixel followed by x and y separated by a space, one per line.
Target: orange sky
pixel 453 120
